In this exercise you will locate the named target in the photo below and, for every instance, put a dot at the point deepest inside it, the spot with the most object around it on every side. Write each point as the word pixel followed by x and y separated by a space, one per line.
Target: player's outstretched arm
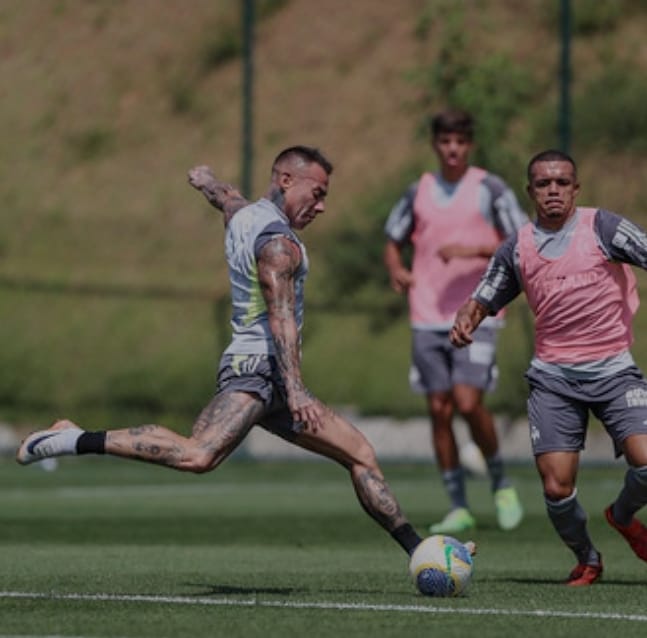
pixel 221 195
pixel 468 318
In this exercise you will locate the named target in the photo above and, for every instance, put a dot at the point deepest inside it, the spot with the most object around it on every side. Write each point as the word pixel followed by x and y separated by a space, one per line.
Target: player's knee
pixel 556 490
pixel 468 407
pixel 200 461
pixel 365 455
pixel 440 406
pixel 441 413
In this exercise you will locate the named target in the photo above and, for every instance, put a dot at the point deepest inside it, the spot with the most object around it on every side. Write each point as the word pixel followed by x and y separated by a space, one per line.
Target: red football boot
pixel 635 533
pixel 584 574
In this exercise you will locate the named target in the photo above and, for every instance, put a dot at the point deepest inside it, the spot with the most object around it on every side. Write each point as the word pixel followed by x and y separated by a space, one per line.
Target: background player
pixel 454 219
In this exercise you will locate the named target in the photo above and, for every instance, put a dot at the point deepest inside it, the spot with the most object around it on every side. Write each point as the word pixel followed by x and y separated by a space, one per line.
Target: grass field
pixel 103 547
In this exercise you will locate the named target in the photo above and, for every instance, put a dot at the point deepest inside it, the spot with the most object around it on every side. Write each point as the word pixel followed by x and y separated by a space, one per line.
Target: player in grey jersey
pixel 259 380
pixel 573 265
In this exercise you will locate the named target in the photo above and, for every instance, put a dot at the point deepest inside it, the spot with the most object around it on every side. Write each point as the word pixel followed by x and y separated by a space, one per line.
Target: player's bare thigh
pixel 226 420
pixel 339 440
pixel 221 426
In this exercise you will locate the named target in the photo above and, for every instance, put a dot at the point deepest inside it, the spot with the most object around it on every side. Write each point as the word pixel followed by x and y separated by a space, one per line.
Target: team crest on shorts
pixel 636 397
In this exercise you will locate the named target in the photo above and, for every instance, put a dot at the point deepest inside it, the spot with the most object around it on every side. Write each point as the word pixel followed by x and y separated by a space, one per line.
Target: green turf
pixel 102 547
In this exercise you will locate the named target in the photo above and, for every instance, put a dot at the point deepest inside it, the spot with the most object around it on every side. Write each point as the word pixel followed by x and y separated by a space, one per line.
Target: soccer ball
pixel 441 566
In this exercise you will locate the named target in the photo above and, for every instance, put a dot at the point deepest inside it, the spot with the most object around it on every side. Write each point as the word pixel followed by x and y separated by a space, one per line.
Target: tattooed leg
pixel 342 442
pixel 376 497
pixel 219 429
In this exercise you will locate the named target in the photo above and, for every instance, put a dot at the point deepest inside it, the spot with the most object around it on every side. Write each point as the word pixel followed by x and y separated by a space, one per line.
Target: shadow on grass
pixel 219 590
pixel 561 582
pixel 223 590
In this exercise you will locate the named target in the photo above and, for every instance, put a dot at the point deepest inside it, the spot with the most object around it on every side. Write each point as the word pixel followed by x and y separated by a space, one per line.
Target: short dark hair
pixel 550 155
pixel 307 154
pixel 452 121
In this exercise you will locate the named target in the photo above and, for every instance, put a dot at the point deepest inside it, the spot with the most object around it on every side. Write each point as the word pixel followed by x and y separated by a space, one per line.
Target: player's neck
pixel 453 174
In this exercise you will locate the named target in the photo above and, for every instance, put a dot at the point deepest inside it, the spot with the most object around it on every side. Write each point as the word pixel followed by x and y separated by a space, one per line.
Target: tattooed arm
pixel 278 262
pixel 221 195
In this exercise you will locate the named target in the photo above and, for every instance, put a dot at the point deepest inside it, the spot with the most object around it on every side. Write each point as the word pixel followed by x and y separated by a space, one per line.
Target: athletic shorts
pixel 258 374
pixel 438 366
pixel 558 409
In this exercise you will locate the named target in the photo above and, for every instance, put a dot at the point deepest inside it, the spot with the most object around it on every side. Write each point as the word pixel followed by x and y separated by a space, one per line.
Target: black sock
pixel 632 497
pixel 91 443
pixel 569 520
pixel 407 537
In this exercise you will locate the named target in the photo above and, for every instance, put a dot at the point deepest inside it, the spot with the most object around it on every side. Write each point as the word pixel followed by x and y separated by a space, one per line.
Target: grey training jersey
pixel 247 232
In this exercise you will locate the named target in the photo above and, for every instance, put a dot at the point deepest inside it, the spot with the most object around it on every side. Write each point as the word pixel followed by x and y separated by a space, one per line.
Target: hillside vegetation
pixel 111 265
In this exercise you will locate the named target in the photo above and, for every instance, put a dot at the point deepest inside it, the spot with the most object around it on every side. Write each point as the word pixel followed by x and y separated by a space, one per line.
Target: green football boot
pixel 508 508
pixel 458 520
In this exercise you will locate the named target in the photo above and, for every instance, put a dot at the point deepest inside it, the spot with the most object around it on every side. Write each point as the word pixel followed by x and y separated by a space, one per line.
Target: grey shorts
pixel 258 374
pixel 558 409
pixel 438 366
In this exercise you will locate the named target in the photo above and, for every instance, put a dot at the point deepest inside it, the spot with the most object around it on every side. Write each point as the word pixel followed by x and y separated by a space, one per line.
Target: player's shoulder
pixel 606 222
pixel 603 214
pixel 255 214
pixel 494 183
pixel 412 188
pixel 508 247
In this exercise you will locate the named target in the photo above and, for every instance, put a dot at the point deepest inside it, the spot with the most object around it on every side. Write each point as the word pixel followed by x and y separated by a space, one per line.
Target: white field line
pixel 233 602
